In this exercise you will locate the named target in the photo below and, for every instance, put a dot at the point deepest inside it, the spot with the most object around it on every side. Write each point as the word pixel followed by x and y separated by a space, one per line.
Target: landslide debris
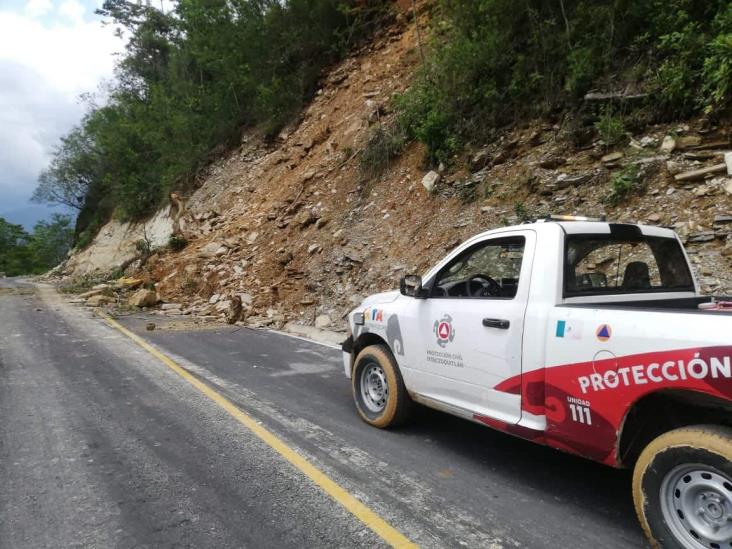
pixel 298 231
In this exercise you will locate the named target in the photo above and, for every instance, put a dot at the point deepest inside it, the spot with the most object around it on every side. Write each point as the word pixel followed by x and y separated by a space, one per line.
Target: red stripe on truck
pixel 585 403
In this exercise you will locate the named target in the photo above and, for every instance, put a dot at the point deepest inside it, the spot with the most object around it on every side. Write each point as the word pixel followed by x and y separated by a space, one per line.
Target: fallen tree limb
pixel 701 173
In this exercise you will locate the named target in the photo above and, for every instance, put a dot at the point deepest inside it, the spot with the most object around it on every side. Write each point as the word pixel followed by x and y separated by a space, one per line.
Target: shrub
pixel 143 247
pixel 623 184
pixel 521 212
pixel 383 146
pixel 177 242
pixel 611 128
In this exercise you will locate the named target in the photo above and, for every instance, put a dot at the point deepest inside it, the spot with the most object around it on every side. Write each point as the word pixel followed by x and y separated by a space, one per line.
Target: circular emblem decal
pixel 443 330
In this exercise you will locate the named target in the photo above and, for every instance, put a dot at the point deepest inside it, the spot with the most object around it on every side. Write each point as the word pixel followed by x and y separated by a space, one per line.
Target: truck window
pixel 490 269
pixel 604 264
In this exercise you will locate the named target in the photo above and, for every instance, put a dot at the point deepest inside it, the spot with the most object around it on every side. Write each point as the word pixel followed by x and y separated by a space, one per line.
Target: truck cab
pixel 564 332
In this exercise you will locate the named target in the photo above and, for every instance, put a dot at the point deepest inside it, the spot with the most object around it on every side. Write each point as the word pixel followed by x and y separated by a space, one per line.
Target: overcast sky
pixel 51 51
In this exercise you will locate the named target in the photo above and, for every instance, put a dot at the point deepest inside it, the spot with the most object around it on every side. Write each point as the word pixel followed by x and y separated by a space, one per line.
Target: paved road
pixel 102 445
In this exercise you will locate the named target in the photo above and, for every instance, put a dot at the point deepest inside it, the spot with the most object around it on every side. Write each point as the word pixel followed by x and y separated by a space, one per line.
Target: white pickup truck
pixel 587 336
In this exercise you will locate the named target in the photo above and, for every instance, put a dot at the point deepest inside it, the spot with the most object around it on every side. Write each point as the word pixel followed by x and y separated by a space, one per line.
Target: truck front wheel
pixel 378 389
pixel 682 488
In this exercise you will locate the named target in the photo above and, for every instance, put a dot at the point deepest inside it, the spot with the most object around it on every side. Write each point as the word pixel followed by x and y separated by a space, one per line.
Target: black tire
pixel 681 481
pixel 377 363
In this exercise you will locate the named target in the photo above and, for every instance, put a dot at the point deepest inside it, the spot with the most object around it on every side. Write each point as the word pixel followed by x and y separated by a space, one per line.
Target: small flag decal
pixel 604 332
pixel 561 325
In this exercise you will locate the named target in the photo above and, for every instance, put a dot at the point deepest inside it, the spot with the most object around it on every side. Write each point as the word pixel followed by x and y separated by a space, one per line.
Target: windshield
pixel 606 264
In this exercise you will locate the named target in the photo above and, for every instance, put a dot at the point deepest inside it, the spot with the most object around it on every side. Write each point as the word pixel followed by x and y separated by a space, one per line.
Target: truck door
pixel 469 330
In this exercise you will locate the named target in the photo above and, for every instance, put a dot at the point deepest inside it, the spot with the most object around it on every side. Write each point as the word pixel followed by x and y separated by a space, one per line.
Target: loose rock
pixel 668 145
pixel 143 298
pixel 234 310
pixel 322 321
pixel 430 180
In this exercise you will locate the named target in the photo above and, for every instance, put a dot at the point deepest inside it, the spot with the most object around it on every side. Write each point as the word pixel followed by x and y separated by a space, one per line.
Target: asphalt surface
pixel 101 445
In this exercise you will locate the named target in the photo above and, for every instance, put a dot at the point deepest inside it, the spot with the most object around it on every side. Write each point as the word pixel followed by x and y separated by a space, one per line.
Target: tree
pixel 51 241
pixel 187 84
pixel 14 255
pixel 73 170
pixel 22 253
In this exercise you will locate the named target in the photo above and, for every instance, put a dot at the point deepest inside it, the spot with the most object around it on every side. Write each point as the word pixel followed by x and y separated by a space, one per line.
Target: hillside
pixel 301 228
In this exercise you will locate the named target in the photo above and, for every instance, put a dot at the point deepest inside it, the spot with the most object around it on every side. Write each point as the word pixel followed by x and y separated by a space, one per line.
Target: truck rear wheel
pixel 682 488
pixel 378 389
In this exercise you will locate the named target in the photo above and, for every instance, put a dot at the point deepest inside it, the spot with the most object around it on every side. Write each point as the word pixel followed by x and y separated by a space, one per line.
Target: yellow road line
pixel 368 517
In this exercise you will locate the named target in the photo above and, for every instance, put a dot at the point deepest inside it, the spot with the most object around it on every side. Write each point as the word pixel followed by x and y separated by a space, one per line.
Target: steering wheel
pixel 489 287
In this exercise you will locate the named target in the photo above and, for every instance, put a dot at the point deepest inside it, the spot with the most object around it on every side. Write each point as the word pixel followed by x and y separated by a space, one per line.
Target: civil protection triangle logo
pixel 444 331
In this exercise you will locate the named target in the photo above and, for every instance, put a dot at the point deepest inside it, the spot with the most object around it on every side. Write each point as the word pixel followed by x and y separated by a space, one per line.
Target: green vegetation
pixel 610 128
pixel 23 253
pixel 520 210
pixel 496 62
pixel 383 146
pixel 624 183
pixel 190 80
pixel 176 242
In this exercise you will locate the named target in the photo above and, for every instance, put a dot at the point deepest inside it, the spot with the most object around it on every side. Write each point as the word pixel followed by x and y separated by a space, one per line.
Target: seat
pixel 637 276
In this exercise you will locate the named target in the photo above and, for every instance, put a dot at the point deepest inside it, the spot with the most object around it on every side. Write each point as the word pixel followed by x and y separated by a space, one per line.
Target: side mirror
pixel 411 285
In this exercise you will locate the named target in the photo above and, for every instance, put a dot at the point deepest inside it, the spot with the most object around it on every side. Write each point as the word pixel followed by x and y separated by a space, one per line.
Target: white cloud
pixel 71 56
pixel 73 10
pixel 38 8
pixel 48 57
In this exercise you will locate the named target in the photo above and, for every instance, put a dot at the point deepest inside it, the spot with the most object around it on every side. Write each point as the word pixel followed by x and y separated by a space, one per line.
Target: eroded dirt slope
pixel 299 232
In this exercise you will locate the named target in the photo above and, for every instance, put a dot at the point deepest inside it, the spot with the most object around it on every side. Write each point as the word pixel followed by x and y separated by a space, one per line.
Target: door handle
pixel 496 323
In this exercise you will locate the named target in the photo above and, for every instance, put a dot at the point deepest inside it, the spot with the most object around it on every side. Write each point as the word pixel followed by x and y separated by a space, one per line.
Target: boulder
pixel 99 300
pixel 234 310
pixel 480 159
pixel 128 283
pixel 669 144
pixel 90 293
pixel 305 217
pixel 674 168
pixel 688 141
pixel 322 321
pixel 430 180
pixel 212 249
pixel 171 306
pixel 612 157
pixel 143 298
pixel 704 236
pixel 575 180
pixel 283 256
pixel 552 162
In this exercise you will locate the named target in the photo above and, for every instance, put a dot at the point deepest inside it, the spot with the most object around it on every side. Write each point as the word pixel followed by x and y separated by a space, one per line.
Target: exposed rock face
pixel 143 298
